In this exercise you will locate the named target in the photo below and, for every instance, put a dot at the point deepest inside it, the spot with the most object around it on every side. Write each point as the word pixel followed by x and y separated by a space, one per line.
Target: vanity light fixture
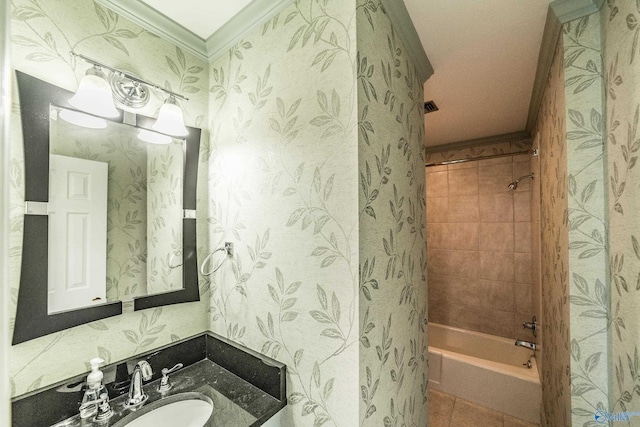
pixel 94 95
pixel 131 91
pixel 82 119
pixel 153 137
pixel 170 120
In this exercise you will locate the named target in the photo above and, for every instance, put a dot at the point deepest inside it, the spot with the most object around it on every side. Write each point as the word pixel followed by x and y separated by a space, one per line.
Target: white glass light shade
pixel 81 119
pixel 153 137
pixel 170 120
pixel 94 95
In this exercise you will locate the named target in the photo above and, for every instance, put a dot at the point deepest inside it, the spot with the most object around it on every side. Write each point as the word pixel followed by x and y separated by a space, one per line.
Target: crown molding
pixel 242 24
pixel 159 24
pixel 403 26
pixel 478 142
pixel 245 21
pixel 559 13
pixel 569 10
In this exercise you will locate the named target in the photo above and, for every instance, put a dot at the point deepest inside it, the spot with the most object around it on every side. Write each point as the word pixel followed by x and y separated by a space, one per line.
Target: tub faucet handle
pixel 533 325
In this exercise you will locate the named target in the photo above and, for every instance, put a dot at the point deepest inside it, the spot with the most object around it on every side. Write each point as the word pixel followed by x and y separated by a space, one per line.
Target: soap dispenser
pixel 94 391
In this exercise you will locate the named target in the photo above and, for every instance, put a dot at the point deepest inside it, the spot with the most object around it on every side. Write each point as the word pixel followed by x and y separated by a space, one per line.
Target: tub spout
pixel 531 345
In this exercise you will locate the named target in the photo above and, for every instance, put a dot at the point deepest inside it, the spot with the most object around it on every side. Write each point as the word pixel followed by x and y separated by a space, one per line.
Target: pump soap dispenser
pixel 96 398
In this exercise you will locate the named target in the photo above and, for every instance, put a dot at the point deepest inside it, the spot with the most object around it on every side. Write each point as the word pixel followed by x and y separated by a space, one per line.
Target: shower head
pixel 513 185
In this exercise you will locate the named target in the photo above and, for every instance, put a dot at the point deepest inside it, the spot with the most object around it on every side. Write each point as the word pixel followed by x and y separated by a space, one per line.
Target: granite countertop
pixel 236 403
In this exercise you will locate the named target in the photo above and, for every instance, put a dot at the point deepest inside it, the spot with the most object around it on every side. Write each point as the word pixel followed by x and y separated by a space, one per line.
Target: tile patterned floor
pixel 446 410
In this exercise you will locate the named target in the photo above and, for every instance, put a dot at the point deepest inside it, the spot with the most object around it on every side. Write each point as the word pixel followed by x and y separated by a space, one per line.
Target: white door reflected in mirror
pixel 77 233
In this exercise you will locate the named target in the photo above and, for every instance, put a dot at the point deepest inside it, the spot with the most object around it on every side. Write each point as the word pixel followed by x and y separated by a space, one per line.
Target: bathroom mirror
pixel 149 251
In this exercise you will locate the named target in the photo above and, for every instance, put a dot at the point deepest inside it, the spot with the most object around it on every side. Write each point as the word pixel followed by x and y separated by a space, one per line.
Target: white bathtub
pixel 484 369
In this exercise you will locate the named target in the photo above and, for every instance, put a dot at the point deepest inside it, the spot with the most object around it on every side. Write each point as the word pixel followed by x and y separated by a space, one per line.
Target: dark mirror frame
pixel 32 317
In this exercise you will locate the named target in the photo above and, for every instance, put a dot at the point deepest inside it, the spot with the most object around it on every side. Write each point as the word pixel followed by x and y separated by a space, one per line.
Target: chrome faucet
pixel 141 372
pixel 104 411
pixel 527 344
pixel 533 325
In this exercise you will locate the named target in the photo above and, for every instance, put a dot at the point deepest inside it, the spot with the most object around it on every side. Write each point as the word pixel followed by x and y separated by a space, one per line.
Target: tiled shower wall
pixel 479 245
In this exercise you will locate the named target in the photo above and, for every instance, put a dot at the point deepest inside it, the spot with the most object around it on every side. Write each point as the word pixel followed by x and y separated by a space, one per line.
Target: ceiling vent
pixel 430 107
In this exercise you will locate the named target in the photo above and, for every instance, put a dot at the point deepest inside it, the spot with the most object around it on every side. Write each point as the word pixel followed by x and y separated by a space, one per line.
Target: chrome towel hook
pixel 228 252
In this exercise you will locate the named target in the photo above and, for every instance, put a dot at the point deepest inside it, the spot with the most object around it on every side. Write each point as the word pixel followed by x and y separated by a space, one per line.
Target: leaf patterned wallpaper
pixel 589 295
pixel 575 298
pixel 621 58
pixel 332 172
pixel 393 267
pixel 42 34
pixel 312 164
pixel 551 127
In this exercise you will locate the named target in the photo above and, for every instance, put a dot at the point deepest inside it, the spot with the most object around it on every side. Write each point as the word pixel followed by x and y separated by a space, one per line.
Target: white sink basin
pixel 184 409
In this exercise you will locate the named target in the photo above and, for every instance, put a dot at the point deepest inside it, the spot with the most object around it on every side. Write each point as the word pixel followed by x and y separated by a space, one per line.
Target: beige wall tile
pixel 497 266
pixel 464 264
pixel 438 236
pixel 437 184
pixel 440 312
pixel 523 298
pixel 463 236
pixel 438 262
pixel 496 207
pixel 521 158
pixel 437 209
pixel 496 237
pixel 499 295
pixel 439 168
pixel 464 209
pixel 522 262
pixel 463 181
pixel 495 178
pixel 487 320
pixel 463 165
pixel 522 240
pixel 496 161
pixel 522 205
pixel 522 169
pixel 438 286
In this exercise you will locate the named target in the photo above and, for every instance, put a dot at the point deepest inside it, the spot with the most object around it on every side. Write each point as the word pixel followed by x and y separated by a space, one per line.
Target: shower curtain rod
pixel 493 156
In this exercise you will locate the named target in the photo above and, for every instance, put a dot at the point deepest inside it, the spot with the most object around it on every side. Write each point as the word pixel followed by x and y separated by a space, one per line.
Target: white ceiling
pixel 202 17
pixel 484 56
pixel 483 53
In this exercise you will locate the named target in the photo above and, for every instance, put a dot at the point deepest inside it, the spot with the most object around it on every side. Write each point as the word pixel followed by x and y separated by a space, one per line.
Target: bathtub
pixel 486 370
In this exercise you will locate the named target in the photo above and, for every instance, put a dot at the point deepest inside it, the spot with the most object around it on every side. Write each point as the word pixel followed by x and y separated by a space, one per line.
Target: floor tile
pixel 510 421
pixel 467 414
pixel 440 408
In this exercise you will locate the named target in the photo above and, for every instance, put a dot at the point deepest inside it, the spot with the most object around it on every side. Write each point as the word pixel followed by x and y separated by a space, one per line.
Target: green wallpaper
pixel 290 165
pixel 589 295
pixel 554 337
pixel 621 59
pixel 575 297
pixel 42 34
pixel 393 257
pixel 284 187
pixel 313 167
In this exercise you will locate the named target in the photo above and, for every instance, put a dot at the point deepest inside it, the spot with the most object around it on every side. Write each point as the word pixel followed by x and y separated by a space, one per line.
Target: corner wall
pixel 622 85
pixel 284 189
pixel 574 282
pixel 550 132
pixel 393 259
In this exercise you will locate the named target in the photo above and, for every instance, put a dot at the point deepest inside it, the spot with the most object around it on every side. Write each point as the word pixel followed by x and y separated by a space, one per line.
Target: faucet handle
pixel 165 385
pixel 104 409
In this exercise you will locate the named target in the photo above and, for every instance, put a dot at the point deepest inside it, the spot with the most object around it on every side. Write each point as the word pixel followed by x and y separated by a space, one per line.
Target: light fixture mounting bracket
pixel 129 92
